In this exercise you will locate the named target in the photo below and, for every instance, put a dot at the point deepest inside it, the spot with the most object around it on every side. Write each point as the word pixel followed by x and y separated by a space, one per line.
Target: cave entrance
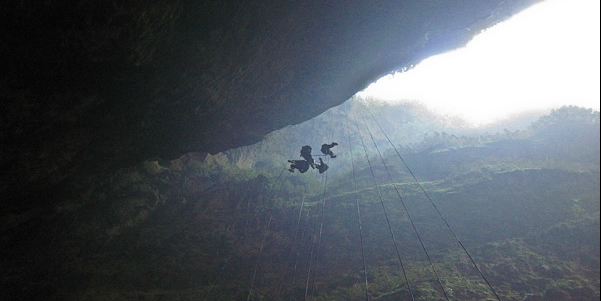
pixel 542 58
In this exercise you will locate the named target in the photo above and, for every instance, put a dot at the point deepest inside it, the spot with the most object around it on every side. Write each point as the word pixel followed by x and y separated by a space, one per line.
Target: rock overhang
pixel 93 86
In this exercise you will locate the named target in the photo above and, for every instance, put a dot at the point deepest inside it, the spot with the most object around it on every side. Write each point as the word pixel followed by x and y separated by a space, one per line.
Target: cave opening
pixel 142 180
pixel 545 57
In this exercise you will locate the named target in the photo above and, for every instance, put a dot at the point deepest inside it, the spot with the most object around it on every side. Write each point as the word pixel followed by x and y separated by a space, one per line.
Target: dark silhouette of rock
pixel 90 86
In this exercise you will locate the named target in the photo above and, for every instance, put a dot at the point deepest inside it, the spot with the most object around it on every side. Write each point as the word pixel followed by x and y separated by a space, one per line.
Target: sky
pixel 545 57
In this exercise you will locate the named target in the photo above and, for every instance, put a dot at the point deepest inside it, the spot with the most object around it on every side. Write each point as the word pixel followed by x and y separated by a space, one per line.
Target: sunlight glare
pixel 544 57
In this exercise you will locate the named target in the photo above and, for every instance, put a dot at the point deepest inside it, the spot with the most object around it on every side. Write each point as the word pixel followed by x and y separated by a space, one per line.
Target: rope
pixel 240 239
pixel 264 238
pixel 218 278
pixel 310 261
pixel 258 259
pixel 383 207
pixel 298 250
pixel 300 213
pixel 312 243
pixel 358 215
pixel 323 204
pixel 298 243
pixel 439 214
pixel 408 215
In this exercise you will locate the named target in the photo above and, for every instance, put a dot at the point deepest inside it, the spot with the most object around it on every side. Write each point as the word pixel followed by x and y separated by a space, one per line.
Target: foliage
pixel 523 204
pixel 519 200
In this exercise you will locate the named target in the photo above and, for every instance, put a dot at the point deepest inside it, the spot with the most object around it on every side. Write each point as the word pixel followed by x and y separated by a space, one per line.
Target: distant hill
pixel 524 203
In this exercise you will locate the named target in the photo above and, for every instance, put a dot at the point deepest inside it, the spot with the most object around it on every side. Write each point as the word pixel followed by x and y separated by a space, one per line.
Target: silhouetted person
pixel 301 165
pixel 325 149
pixel 306 154
pixel 322 167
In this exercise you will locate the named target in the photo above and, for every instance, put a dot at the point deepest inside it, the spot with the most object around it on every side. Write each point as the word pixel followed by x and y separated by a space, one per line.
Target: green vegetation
pixel 525 204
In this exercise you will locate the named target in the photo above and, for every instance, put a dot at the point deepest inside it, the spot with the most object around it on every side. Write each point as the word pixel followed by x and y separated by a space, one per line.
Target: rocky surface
pixel 199 227
pixel 91 86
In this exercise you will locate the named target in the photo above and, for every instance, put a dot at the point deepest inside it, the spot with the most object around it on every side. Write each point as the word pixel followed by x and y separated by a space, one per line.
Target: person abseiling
pixel 322 167
pixel 325 149
pixel 301 165
pixel 306 154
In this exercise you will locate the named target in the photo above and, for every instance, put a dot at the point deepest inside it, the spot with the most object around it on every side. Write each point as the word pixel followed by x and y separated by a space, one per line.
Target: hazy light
pixel 545 57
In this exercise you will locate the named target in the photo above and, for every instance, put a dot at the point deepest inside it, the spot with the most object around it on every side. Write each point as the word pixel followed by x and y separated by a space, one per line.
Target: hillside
pixel 524 204
pixel 89 87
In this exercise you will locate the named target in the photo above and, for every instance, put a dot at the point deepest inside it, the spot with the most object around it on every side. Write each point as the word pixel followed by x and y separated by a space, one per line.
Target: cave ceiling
pixel 95 85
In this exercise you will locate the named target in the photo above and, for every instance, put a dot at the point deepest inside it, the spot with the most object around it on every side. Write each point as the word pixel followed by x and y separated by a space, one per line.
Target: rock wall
pixel 91 86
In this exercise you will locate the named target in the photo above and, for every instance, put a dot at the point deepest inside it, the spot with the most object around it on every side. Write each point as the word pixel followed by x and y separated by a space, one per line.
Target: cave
pixel 90 87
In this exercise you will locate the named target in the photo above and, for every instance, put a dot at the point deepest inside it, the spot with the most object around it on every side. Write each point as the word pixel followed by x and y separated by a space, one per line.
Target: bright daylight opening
pixel 543 58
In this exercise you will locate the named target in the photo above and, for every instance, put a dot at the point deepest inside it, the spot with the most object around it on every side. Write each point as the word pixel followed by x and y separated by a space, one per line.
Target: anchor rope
pixel 382 203
pixel 408 215
pixel 323 204
pixel 294 241
pixel 239 240
pixel 358 214
pixel 259 258
pixel 436 208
